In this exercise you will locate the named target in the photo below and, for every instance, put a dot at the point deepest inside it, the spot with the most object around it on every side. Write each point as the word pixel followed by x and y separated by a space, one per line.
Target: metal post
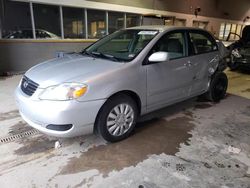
pixel 107 22
pixel 61 22
pixel 141 20
pixel 32 20
pixel 86 23
pixel 225 24
pixel 125 20
pixel 1 25
pixel 1 18
pixel 236 28
pixel 2 10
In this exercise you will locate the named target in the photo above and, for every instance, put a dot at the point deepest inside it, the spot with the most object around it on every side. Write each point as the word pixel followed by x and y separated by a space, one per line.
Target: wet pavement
pixel 184 145
pixel 152 137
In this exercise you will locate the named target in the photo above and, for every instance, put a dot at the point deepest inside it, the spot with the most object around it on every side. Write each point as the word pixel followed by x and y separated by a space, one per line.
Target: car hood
pixel 70 68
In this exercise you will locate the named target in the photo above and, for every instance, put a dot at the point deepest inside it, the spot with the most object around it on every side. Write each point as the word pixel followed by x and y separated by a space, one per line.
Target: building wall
pixel 225 9
pixel 20 56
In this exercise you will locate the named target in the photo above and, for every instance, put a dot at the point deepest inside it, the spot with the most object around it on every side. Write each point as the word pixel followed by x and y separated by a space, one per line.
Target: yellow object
pixel 79 92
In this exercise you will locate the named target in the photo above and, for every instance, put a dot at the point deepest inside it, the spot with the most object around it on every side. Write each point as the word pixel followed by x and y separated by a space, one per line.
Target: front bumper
pixel 41 113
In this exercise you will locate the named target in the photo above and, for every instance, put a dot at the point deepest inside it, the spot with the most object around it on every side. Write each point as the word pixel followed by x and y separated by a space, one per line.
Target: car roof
pixel 162 28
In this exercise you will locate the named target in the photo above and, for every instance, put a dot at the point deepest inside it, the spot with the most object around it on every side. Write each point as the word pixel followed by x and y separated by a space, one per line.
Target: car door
pixel 203 59
pixel 170 81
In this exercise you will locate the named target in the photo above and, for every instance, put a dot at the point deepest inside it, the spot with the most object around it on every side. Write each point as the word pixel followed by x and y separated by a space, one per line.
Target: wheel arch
pixel 129 93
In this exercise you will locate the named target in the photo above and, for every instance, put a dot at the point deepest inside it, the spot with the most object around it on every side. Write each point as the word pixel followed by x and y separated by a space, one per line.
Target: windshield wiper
pixel 107 56
pixel 84 52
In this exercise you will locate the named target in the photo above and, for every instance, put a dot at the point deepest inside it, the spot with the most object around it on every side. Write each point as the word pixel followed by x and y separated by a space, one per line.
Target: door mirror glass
pixel 159 57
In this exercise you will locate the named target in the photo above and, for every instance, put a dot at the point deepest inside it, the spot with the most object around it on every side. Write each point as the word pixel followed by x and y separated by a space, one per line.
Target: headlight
pixel 65 91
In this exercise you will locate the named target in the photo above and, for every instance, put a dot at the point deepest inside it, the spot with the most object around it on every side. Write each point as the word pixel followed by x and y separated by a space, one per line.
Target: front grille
pixel 28 86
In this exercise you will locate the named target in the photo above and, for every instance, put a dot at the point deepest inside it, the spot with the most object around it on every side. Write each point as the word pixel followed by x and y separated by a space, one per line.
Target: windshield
pixel 123 45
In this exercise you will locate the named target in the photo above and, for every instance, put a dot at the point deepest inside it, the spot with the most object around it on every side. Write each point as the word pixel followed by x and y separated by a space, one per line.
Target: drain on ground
pixel 12 138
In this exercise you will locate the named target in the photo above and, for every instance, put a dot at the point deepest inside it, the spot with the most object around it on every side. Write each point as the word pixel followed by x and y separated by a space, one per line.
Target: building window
pixel 152 19
pixel 51 21
pixel 222 30
pixel 73 22
pixel 116 21
pixel 180 22
pixel 16 20
pixel 96 24
pixel 234 30
pixel 132 20
pixel 169 21
pixel 227 30
pixel 200 24
pixel 47 21
pixel 239 29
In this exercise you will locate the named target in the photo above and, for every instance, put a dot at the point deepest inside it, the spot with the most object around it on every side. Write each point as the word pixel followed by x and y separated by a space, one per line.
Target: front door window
pixel 173 43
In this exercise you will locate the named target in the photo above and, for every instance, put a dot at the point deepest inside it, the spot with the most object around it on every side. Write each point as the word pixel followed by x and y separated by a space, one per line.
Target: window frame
pixel 204 33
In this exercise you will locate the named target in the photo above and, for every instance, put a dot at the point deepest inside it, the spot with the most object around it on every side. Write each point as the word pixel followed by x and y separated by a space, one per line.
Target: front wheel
pixel 218 87
pixel 117 118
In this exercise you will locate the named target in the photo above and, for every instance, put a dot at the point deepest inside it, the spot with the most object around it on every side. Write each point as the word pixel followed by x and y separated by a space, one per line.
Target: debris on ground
pixel 57 145
pixel 234 150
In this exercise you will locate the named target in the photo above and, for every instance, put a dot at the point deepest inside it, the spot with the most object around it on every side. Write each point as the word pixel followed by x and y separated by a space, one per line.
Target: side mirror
pixel 159 57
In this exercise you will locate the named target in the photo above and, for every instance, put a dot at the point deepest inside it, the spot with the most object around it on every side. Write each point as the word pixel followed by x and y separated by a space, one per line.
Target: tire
pixel 117 118
pixel 218 87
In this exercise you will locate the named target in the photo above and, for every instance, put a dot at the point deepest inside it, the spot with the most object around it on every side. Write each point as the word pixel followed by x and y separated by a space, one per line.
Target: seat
pixel 173 47
pixel 201 45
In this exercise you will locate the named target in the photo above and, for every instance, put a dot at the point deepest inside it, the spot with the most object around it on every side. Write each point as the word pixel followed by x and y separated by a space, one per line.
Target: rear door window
pixel 202 42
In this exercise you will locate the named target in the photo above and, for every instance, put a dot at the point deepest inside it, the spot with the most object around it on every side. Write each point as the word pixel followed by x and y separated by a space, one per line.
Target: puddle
pixel 152 137
pixel 9 115
pixel 35 144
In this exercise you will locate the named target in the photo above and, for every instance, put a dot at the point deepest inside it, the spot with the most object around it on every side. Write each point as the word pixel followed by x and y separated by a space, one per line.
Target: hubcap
pixel 120 119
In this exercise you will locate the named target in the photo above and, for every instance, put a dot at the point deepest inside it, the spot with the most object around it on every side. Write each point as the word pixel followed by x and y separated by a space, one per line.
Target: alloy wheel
pixel 120 119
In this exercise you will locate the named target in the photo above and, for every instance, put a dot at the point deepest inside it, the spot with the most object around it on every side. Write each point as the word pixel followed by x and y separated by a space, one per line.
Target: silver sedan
pixel 127 74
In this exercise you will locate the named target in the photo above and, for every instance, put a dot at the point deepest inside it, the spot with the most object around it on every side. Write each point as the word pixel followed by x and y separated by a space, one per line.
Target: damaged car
pixel 239 56
pixel 127 74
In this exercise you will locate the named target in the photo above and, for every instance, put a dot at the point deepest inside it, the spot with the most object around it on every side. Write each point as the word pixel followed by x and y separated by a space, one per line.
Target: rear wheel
pixel 117 118
pixel 218 87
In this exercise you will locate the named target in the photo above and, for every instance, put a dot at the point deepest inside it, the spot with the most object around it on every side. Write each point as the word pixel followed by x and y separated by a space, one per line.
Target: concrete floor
pixel 190 144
